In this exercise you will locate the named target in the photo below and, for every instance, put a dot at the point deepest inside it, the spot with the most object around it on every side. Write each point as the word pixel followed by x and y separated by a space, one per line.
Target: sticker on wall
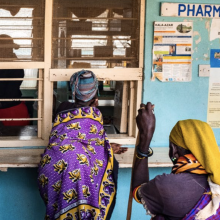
pixel 213 113
pixel 215 29
pixel 172 51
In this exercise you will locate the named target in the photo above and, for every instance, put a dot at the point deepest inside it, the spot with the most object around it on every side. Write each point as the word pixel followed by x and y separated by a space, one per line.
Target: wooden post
pixel 142 28
pixel 39 111
pixel 130 198
pixel 138 101
pixel 48 86
pixel 139 93
pixel 131 121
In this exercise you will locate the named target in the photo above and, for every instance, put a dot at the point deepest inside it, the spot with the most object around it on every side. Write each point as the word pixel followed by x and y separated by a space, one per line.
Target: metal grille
pixel 95 34
pixel 22 30
pixel 32 100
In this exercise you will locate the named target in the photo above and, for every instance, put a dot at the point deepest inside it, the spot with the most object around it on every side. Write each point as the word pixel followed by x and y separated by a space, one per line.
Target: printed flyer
pixel 213 113
pixel 172 51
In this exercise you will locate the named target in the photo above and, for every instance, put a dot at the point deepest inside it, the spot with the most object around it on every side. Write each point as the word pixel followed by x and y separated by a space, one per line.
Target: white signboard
pixel 172 51
pixel 213 116
pixel 215 29
pixel 190 10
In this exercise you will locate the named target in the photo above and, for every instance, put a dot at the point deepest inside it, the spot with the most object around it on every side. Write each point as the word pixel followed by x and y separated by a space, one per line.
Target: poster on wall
pixel 172 51
pixel 213 113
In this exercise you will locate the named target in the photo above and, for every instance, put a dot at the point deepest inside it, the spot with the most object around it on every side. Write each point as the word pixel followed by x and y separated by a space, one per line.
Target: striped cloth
pixel 188 163
pixel 84 85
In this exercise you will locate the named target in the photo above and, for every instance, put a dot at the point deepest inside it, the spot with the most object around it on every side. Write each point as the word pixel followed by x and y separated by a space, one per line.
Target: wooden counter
pixel 31 158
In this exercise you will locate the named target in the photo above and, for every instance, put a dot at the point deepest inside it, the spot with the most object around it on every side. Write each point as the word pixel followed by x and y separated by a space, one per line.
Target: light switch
pixel 204 70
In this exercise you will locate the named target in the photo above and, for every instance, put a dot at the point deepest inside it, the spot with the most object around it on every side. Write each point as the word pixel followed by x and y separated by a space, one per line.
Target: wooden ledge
pixel 160 158
pixel 31 158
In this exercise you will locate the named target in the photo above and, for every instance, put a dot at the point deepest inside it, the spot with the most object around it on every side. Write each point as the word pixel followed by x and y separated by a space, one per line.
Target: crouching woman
pixel 77 172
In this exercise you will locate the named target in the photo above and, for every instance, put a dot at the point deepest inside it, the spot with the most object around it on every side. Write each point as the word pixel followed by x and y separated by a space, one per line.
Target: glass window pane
pixel 22 30
pixel 96 34
pixel 19 102
pixel 113 102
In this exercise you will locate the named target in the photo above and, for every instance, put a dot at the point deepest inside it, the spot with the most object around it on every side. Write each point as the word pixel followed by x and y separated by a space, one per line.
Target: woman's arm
pixel 146 124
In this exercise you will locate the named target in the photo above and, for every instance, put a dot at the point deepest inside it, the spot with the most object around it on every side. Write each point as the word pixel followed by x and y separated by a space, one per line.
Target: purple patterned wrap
pixel 75 172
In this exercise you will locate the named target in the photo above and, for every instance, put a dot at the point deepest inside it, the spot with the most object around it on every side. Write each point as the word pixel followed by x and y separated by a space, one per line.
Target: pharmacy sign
pixel 190 10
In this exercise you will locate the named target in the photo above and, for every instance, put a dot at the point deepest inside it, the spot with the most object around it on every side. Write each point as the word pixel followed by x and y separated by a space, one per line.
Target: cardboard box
pixel 115 25
pixel 79 26
pixel 75 52
pixel 103 51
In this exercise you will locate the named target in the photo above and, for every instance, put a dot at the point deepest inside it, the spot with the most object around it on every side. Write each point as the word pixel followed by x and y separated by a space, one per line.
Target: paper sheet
pixel 172 51
pixel 213 114
pixel 215 29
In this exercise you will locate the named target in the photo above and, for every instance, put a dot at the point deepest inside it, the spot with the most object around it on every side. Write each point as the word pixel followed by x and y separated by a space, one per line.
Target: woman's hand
pixel 117 149
pixel 146 124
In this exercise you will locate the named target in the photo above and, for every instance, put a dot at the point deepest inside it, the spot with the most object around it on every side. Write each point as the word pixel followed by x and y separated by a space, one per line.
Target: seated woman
pixel 77 172
pixel 192 190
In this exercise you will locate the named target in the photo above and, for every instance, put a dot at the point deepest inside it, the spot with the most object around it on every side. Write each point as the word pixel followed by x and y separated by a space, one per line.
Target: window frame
pixel 133 75
pixel 45 109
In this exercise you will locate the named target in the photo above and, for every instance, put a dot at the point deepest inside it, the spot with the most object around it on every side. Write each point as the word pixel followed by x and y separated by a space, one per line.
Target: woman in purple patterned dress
pixel 78 172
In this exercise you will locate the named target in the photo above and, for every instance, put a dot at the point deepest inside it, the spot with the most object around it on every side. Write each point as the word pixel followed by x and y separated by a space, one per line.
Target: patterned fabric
pixel 76 170
pixel 84 85
pixel 206 198
pixel 198 137
pixel 188 163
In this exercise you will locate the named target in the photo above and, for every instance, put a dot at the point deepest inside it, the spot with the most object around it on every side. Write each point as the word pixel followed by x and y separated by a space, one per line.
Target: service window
pixel 96 34
pixel 51 39
pixel 21 72
pixel 104 36
pixel 22 30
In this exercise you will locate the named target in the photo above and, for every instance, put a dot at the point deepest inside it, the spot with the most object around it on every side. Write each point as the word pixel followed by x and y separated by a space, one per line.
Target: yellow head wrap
pixel 198 137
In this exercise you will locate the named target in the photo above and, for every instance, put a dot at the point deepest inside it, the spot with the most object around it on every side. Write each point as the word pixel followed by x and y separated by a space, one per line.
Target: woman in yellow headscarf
pixel 192 190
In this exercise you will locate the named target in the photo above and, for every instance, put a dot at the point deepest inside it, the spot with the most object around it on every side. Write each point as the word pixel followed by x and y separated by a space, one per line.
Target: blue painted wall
pixel 177 101
pixel 19 197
